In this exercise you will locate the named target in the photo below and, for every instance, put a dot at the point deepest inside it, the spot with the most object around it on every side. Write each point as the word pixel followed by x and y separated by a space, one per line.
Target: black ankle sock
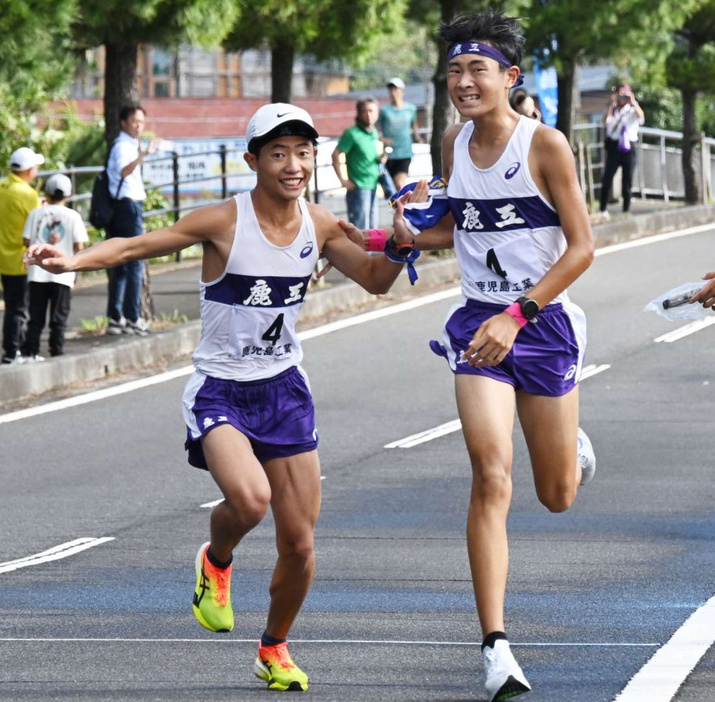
pixel 215 561
pixel 492 638
pixel 268 640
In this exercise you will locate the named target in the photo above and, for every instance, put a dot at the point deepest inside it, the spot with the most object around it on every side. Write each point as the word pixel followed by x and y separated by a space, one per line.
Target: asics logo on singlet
pixel 513 170
pixel 307 250
pixel 570 373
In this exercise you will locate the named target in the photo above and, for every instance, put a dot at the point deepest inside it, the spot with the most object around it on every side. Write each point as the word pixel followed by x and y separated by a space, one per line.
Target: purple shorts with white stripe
pixel 276 414
pixel 546 357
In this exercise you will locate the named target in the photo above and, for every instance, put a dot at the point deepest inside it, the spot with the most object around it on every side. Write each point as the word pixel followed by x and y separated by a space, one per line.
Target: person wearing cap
pixel 248 408
pixel 359 144
pixel 17 199
pixel 622 120
pixel 398 126
pixel 56 224
pixel 126 185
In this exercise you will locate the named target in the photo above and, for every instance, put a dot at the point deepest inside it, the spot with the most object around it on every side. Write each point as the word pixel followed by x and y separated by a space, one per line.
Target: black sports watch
pixel 401 249
pixel 529 308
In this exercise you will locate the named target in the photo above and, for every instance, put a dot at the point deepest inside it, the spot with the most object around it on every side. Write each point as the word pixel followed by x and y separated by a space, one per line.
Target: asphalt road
pixel 593 593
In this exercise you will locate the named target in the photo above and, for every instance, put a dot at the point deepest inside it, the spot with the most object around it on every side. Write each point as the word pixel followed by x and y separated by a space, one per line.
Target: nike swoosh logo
pixel 284 114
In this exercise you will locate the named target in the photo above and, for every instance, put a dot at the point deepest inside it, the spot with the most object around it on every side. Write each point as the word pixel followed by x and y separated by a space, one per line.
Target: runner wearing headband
pixel 518 222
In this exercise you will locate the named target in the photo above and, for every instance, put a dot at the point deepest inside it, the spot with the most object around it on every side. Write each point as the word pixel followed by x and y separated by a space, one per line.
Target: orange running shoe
pixel 212 596
pixel 275 666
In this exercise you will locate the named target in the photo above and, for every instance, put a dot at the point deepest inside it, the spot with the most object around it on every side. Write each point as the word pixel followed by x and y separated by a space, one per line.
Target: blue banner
pixel 548 92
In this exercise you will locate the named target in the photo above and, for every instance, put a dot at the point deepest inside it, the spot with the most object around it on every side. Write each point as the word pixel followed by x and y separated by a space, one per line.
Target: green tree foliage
pixel 327 29
pixel 34 66
pixel 121 25
pixel 570 33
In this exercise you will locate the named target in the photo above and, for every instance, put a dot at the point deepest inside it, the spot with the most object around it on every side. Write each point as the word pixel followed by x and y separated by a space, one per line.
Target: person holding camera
pixel 622 120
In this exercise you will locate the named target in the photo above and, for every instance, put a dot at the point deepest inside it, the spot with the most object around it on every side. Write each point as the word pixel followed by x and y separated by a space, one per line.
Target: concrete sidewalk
pixel 175 291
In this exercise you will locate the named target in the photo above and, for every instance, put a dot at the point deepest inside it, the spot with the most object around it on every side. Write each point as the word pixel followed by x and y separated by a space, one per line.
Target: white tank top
pixel 248 315
pixel 507 236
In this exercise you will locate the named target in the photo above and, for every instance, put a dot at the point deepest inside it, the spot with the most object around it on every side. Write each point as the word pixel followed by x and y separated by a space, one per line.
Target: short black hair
pixel 128 110
pixel 502 32
pixel 57 196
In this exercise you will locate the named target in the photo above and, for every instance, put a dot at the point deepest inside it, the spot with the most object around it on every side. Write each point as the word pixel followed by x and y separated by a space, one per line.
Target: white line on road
pixel 456 424
pixel 313 333
pixel 661 677
pixel 684 331
pixel 379 642
pixel 55 553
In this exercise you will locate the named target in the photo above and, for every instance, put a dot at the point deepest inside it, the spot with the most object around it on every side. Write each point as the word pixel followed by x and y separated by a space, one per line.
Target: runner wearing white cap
pixel 248 408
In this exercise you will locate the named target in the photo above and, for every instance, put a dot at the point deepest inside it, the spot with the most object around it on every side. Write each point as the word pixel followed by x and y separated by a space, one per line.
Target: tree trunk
pixel 282 59
pixel 120 85
pixel 693 189
pixel 443 110
pixel 569 99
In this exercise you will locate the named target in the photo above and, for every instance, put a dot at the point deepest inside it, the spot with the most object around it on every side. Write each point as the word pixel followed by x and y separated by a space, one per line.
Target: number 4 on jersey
pixel 273 333
pixel 493 264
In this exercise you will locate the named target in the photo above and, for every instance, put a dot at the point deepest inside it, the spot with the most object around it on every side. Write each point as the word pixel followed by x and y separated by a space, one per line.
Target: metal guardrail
pixel 658 172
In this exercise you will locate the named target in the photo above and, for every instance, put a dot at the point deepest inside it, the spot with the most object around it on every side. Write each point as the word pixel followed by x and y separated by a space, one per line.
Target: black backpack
pixel 102 204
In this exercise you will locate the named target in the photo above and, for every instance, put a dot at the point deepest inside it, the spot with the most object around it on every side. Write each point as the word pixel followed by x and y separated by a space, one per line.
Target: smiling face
pixel 477 84
pixel 284 166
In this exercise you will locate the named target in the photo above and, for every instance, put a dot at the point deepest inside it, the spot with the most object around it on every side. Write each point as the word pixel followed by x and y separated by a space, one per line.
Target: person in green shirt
pixel 17 199
pixel 398 125
pixel 360 144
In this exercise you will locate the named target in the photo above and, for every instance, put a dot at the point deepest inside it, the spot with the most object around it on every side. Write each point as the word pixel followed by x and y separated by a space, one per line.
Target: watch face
pixel 529 307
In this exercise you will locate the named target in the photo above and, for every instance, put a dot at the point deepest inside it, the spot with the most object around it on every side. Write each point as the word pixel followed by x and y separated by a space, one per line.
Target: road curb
pixel 22 381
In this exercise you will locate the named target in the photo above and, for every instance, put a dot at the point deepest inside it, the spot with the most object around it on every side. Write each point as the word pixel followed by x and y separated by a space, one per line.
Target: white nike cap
pixel 279 119
pixel 24 158
pixel 397 83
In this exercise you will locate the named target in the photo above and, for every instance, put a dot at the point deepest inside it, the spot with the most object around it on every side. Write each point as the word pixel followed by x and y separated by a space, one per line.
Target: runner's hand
pixel 420 194
pixel 492 342
pixel 48 257
pixel 707 293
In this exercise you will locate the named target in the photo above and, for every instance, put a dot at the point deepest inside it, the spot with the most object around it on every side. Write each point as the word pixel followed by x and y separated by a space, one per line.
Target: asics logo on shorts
pixel 513 170
pixel 570 373
pixel 306 251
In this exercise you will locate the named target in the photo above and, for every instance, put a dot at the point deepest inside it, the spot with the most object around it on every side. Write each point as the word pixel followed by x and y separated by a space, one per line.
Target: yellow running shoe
pixel 212 597
pixel 275 666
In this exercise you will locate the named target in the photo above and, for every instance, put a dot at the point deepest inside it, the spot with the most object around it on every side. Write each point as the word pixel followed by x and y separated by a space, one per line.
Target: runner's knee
pixel 249 507
pixel 557 497
pixel 491 482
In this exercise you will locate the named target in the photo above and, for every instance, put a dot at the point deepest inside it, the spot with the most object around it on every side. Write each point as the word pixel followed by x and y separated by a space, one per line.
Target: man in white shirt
pixel 62 227
pixel 622 119
pixel 127 187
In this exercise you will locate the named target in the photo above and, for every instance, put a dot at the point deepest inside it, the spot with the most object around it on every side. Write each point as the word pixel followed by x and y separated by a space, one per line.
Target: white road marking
pixel 55 553
pixel 655 239
pixel 590 371
pixel 661 677
pixel 686 330
pixel 379 642
pixel 314 333
pixel 427 435
pixel 456 424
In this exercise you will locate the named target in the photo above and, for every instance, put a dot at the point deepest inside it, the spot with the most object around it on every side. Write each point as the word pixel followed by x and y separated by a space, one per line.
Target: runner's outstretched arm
pixel 194 228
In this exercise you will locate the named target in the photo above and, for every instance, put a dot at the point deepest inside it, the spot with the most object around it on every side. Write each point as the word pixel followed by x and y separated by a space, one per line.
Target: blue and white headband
pixel 482 49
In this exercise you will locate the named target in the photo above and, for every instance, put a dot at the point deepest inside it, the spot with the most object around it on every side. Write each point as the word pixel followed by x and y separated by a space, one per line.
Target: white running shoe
pixel 504 678
pixel 586 457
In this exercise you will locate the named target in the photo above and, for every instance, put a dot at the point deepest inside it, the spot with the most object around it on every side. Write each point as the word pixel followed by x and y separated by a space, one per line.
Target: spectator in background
pixel 126 184
pixel 524 104
pixel 17 199
pixel 398 126
pixel 55 224
pixel 622 119
pixel 359 143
